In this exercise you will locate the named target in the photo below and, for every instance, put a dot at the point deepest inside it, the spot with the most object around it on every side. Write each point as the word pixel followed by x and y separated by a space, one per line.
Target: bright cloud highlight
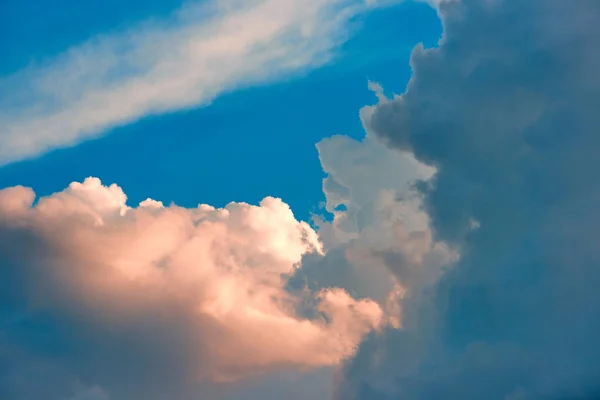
pixel 201 290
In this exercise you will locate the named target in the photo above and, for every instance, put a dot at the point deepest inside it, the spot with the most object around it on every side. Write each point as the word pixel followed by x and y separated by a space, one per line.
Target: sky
pixel 225 159
pixel 304 199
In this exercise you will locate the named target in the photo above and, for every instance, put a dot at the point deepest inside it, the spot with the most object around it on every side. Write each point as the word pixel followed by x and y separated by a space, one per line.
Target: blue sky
pixel 205 155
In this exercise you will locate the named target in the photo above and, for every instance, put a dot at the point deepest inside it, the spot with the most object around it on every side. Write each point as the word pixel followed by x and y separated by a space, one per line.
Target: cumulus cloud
pixel 379 244
pixel 505 110
pixel 168 296
pixel 184 61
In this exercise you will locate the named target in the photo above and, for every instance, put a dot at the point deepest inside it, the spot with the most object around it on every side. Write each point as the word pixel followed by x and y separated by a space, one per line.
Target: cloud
pixel 91 393
pixel 184 61
pixel 505 110
pixel 152 301
pixel 379 244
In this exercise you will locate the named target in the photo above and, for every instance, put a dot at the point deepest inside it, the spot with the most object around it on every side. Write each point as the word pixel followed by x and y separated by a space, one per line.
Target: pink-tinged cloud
pixel 202 288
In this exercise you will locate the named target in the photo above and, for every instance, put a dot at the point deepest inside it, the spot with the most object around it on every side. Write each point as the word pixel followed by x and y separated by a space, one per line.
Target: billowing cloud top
pixel 199 292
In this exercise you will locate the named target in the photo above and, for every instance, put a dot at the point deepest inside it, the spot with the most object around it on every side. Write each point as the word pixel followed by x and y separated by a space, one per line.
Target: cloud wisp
pixel 185 61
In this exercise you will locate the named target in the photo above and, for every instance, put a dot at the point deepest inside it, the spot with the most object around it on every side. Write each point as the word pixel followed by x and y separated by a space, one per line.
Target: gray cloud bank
pixel 506 109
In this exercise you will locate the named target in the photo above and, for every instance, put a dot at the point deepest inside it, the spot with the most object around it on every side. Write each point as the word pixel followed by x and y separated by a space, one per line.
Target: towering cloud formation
pixel 506 110
pixel 149 301
pixel 379 244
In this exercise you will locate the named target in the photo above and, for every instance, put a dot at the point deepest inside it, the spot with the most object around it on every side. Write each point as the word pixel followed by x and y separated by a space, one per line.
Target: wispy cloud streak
pixel 160 66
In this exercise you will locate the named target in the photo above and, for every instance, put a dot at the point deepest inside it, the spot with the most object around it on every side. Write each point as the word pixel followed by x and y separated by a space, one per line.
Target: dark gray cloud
pixel 506 109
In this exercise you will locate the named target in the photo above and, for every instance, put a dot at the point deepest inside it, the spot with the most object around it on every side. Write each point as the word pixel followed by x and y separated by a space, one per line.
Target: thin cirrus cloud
pixel 202 50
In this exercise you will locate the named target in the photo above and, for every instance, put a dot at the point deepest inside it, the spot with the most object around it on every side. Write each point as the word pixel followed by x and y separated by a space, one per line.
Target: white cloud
pixel 185 61
pixel 379 244
pixel 200 289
